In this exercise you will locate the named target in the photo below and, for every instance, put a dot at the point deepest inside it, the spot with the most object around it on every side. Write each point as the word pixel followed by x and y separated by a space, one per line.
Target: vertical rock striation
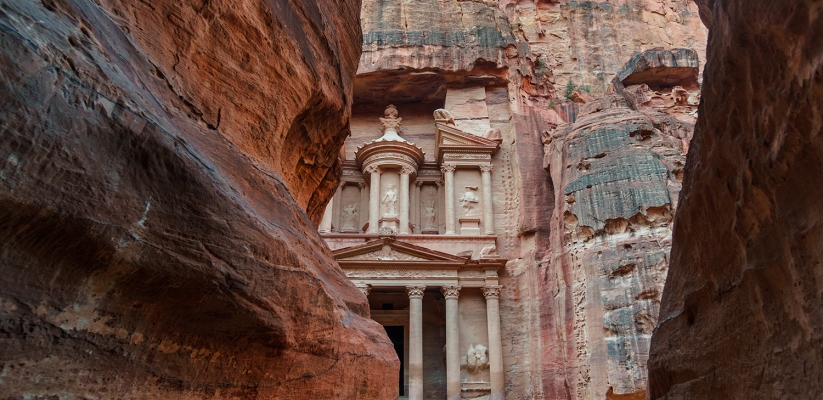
pixel 153 242
pixel 741 314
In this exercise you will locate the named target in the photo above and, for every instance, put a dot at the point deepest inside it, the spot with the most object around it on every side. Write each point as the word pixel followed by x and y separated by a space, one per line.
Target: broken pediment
pixel 449 138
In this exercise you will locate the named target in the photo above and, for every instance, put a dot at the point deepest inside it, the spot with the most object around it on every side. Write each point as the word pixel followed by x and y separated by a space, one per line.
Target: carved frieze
pixel 400 273
pixel 467 156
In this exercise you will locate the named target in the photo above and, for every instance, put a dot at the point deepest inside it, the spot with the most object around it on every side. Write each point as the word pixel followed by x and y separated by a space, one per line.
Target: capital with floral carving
pixel 486 168
pixel 447 168
pixel 415 292
pixel 451 291
pixel 491 291
pixel 364 288
pixel 361 183
pixel 406 170
pixel 373 169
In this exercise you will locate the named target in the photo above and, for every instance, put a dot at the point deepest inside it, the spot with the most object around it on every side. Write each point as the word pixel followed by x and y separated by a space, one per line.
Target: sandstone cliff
pixel 741 314
pixel 505 65
pixel 153 242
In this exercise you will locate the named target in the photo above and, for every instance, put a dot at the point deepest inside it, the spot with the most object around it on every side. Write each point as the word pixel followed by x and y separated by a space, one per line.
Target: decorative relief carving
pixel 467 156
pixel 428 172
pixel 349 217
pixel 430 215
pixel 450 291
pixel 447 168
pixel 415 291
pixel 491 291
pixel 362 184
pixel 389 201
pixel 476 359
pixel 399 273
pixel 390 156
pixel 391 120
pixel 406 170
pixel 472 274
pixel 486 168
pixel 388 254
pixel 388 231
pixel 469 200
pixel 373 169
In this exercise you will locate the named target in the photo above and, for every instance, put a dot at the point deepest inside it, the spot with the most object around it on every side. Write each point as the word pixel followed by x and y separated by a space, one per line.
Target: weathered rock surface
pixel 520 56
pixel 742 310
pixel 153 239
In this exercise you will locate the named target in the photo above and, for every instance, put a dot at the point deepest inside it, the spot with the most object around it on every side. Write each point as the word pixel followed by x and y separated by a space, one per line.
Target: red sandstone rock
pixel 742 311
pixel 154 162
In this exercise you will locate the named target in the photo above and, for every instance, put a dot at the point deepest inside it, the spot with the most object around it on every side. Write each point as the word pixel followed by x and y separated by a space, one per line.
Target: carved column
pixel 364 288
pixel 404 199
pixel 336 200
pixel 441 205
pixel 416 202
pixel 488 211
pixel 364 205
pixel 492 295
pixel 415 341
pixel 325 224
pixel 452 342
pixel 448 171
pixel 374 199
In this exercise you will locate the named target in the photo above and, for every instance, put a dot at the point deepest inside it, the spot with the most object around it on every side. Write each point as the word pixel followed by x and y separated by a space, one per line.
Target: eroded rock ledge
pixel 152 238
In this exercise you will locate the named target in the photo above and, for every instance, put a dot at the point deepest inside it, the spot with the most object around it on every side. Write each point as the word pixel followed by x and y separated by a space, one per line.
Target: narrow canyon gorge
pixel 415 199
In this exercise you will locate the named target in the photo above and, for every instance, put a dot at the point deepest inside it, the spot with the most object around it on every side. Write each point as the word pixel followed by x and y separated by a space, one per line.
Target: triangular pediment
pixel 388 249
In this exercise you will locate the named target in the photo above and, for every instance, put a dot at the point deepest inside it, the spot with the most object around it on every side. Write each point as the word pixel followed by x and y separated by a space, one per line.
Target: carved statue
pixel 476 359
pixel 429 213
pixel 391 120
pixel 350 216
pixel 469 200
pixel 390 201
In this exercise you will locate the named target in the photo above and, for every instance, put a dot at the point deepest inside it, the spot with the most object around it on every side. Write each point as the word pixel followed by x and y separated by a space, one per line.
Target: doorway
pixel 396 335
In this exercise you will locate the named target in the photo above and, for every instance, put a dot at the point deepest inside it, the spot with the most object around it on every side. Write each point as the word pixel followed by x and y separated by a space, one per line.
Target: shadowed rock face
pixel 152 237
pixel 742 310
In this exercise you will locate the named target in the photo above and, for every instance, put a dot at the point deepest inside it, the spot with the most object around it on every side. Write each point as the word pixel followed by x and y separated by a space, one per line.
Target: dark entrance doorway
pixel 396 336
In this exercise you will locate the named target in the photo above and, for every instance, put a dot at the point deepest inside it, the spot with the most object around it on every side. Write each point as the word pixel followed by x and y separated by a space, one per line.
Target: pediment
pixel 388 249
pixel 451 138
pixel 450 134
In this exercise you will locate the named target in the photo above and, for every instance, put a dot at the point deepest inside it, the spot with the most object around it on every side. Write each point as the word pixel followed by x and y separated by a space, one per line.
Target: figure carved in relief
pixel 391 120
pixel 350 216
pixel 390 201
pixel 444 116
pixel 429 215
pixel 469 200
pixel 476 359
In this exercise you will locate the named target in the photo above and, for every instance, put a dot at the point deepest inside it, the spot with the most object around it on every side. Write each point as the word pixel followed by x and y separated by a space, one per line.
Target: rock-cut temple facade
pixel 415 232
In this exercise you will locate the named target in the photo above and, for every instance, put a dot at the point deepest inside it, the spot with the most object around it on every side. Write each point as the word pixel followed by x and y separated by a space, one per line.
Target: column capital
pixel 364 288
pixel 418 183
pixel 373 169
pixel 486 168
pixel 491 291
pixel 406 170
pixel 451 291
pixel 445 168
pixel 440 183
pixel 361 183
pixel 416 291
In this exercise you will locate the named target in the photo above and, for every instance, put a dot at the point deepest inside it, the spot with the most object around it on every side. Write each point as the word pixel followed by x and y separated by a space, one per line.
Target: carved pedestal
pixel 469 226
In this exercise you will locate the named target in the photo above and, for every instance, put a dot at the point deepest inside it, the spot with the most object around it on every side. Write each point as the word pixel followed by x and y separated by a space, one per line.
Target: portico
pixel 387 266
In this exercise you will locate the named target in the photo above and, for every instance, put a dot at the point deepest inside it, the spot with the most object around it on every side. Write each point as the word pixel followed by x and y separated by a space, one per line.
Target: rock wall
pixel 562 339
pixel 741 311
pixel 153 242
